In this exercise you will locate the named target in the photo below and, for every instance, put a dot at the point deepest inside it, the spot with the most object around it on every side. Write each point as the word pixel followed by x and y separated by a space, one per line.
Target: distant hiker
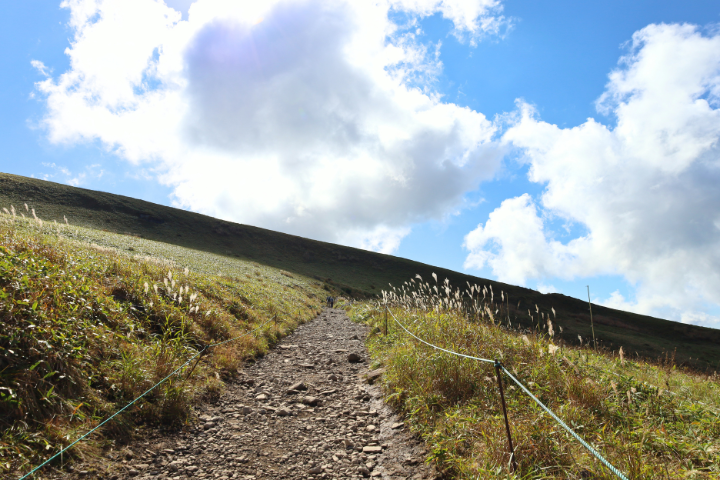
pixel 328 301
pixel 332 302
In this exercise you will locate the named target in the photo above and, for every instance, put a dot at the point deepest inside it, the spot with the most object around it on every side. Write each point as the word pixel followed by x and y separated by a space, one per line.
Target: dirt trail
pixel 303 411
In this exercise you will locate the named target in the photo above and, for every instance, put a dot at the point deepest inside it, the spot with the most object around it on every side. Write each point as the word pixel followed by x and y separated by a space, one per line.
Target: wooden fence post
pixel 507 424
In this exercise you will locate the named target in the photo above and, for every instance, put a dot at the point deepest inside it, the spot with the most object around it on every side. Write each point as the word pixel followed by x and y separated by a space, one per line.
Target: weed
pixel 453 403
pixel 87 325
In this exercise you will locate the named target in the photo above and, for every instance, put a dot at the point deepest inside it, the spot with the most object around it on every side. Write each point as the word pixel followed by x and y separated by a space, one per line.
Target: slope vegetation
pixel 86 327
pixel 354 271
pixel 650 421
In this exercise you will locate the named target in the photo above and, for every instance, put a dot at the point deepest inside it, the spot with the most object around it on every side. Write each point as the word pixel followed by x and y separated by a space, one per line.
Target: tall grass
pixel 86 326
pixel 649 420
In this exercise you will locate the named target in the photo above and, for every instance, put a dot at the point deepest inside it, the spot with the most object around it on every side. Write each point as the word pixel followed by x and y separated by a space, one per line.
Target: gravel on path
pixel 305 410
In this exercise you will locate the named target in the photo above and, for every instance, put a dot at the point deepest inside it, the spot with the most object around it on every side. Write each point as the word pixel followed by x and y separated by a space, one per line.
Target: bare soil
pixel 332 424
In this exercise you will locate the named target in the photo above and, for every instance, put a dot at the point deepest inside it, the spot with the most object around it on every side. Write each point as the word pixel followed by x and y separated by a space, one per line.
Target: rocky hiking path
pixel 303 411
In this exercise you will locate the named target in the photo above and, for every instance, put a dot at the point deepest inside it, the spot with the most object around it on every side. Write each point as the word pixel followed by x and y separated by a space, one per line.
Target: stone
pixel 133 473
pixel 261 398
pixel 397 425
pixel 374 375
pixel 311 401
pixel 372 449
pixel 354 358
pixel 324 439
pixel 299 386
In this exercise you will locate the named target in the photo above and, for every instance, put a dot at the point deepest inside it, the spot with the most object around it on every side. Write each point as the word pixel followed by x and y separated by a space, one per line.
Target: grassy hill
pixel 357 272
pixel 86 327
pixel 650 421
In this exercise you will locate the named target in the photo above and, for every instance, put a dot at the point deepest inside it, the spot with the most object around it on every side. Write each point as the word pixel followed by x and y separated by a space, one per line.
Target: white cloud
pixel 471 18
pixel 700 318
pixel 297 116
pixel 543 288
pixel 646 190
pixel 520 249
pixel 64 174
pixel 41 68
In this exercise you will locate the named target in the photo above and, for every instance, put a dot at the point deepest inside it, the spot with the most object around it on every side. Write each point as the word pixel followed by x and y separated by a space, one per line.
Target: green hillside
pixel 85 328
pixel 648 420
pixel 357 272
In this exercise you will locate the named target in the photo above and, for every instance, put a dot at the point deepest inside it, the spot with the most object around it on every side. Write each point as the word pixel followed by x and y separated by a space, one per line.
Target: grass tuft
pixel 89 320
pixel 650 420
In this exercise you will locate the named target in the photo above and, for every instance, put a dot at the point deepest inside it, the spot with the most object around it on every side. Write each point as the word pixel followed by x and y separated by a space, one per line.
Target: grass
pixel 355 272
pixel 650 420
pixel 91 319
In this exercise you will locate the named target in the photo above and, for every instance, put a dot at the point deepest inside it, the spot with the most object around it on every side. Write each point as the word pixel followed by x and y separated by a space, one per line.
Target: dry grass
pixel 91 319
pixel 649 420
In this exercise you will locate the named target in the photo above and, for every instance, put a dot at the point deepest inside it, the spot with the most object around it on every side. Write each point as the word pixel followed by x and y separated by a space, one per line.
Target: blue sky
pixel 455 133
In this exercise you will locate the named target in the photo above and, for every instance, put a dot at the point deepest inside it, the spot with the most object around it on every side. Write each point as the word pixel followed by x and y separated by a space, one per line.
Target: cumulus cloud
pixel 313 117
pixel 472 19
pixel 646 190
pixel 64 174
pixel 41 68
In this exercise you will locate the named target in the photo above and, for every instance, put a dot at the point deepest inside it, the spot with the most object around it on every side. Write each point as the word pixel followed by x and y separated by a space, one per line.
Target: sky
pixel 555 145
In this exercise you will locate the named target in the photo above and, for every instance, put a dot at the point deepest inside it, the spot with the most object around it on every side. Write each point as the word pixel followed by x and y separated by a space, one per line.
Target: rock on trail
pixel 303 411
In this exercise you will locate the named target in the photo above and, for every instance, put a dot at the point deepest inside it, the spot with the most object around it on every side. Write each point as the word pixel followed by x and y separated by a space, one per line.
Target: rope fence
pixel 500 367
pixel 198 354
